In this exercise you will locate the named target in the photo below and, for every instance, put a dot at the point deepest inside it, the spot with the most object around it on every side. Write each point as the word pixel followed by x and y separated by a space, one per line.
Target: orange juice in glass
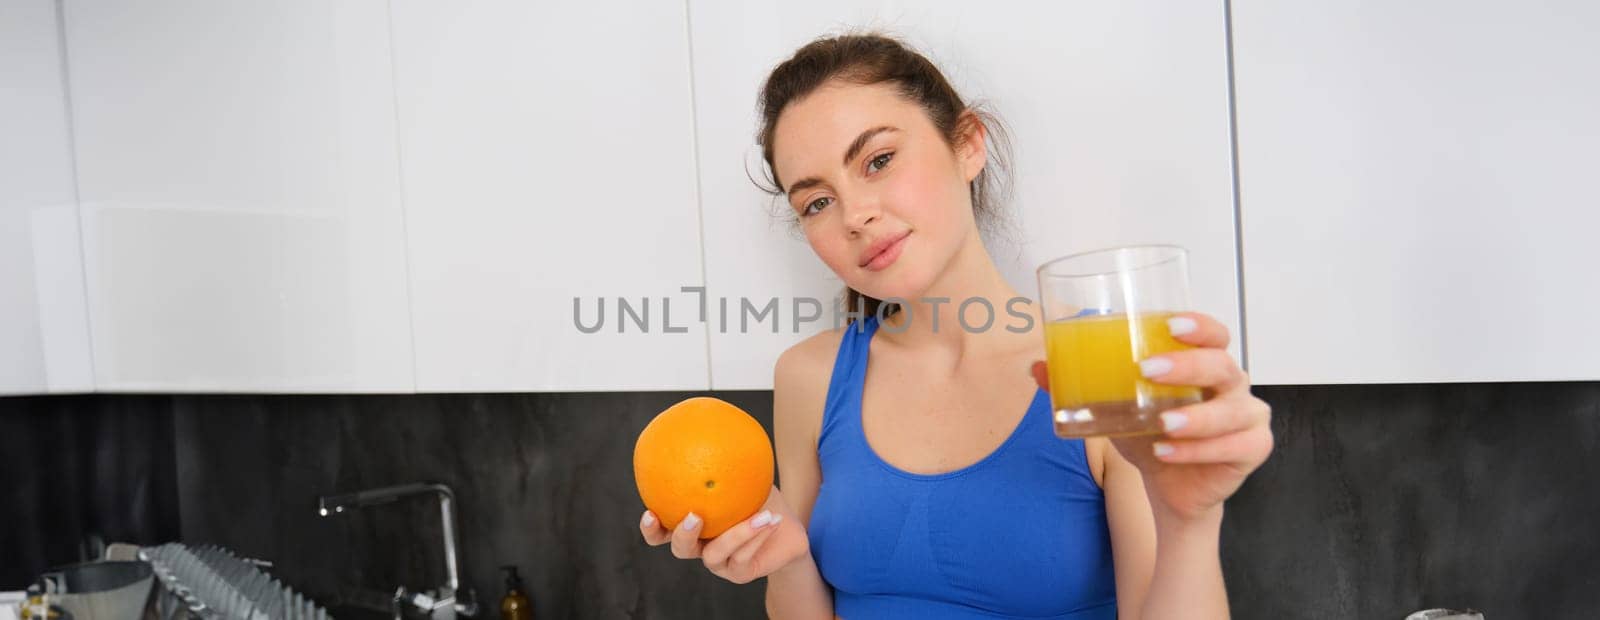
pixel 1104 311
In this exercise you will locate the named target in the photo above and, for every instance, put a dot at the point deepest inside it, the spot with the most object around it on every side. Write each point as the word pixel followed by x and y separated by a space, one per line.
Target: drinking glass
pixel 1103 312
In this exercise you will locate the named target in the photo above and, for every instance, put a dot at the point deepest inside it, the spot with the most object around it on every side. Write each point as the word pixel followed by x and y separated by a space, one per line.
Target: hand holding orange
pixel 706 456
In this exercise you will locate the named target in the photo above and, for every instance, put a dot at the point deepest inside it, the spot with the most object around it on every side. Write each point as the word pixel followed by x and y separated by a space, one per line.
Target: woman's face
pixel 882 198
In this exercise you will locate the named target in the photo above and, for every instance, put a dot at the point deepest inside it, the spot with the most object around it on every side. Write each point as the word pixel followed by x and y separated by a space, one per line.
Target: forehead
pixel 813 132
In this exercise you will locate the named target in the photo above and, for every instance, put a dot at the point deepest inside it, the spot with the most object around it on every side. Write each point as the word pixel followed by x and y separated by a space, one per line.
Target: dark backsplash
pixel 544 481
pixel 1379 500
pixel 73 465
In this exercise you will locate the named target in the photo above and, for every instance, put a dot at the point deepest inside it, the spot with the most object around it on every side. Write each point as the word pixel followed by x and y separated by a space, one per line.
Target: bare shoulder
pixel 800 386
pixel 806 366
pixel 799 394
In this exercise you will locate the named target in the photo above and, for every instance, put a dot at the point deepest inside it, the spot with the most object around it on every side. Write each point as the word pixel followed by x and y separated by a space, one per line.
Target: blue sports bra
pixel 1020 534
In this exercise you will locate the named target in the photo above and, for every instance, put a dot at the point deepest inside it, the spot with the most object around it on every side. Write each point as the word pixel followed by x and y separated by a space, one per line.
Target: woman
pixel 920 475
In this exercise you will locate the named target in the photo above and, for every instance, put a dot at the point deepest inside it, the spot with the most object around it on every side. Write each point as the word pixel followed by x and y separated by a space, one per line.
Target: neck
pixel 970 275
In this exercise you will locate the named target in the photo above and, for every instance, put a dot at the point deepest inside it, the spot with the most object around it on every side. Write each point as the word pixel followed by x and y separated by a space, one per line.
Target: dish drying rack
pixel 211 583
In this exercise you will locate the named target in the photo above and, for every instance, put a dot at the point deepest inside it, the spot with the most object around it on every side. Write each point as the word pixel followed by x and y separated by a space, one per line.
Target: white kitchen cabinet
pixel 548 154
pixel 44 330
pixel 1118 112
pixel 1417 190
pixel 239 185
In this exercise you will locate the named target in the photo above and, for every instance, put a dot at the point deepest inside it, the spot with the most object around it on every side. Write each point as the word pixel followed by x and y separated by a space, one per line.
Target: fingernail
pixel 776 519
pixel 1163 449
pixel 1173 420
pixel 647 520
pixel 1180 325
pixel 690 523
pixel 761 520
pixel 1155 366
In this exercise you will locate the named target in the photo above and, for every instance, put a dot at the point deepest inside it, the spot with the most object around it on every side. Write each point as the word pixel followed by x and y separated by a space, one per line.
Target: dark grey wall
pixel 1380 500
pixel 544 481
pixel 71 466
pixel 1386 499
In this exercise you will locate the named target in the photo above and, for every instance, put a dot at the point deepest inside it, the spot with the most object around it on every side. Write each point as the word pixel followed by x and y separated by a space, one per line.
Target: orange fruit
pixel 706 456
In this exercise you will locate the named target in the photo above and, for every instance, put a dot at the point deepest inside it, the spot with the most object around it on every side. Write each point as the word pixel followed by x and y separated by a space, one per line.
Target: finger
pixel 1041 375
pixel 743 567
pixel 1209 368
pixel 654 534
pixel 1198 329
pixel 746 553
pixel 1216 417
pixel 717 551
pixel 686 543
pixel 1248 448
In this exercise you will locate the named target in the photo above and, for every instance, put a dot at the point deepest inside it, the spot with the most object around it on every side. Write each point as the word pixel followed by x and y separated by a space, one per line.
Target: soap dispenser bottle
pixel 515 605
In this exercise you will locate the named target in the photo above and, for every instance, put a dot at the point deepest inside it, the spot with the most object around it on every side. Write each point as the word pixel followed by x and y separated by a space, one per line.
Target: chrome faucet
pixel 444 603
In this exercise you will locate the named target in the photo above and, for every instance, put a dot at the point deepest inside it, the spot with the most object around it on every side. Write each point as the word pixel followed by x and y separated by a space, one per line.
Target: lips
pixel 883 251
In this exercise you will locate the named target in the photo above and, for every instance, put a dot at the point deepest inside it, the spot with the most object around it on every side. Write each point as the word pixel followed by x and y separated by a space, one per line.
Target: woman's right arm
pixel 800 387
pixel 779 549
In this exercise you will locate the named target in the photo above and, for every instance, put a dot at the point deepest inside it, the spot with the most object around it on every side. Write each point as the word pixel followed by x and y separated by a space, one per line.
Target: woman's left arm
pixel 1166 491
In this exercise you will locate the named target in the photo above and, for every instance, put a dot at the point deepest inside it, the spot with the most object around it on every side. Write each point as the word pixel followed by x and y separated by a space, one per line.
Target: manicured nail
pixel 1180 325
pixel 776 519
pixel 1172 420
pixel 1163 449
pixel 1155 366
pixel 647 520
pixel 690 523
pixel 761 520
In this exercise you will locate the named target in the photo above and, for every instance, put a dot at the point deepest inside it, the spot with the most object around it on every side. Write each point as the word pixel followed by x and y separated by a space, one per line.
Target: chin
pixel 905 281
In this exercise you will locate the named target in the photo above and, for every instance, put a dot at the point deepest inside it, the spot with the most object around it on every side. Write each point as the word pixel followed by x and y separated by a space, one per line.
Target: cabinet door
pixel 239 186
pixel 44 331
pixel 1417 189
pixel 548 156
pixel 1118 113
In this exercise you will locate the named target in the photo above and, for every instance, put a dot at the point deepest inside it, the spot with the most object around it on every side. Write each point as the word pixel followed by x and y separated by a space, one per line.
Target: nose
pixel 860 211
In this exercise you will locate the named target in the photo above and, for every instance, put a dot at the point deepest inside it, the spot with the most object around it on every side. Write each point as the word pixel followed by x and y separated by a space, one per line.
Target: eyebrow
pixel 850 153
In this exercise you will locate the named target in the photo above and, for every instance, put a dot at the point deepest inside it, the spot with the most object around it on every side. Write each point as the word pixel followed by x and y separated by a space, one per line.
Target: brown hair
pixel 873 59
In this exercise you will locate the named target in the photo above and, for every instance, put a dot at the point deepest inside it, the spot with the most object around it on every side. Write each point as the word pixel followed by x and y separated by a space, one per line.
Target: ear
pixel 972 152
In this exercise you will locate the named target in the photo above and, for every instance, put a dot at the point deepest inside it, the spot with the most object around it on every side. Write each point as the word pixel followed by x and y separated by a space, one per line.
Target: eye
pixel 879 162
pixel 815 204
